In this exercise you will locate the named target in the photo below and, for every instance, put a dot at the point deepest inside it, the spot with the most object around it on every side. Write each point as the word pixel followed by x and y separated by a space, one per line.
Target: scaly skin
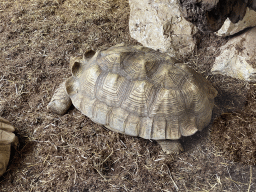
pixel 6 139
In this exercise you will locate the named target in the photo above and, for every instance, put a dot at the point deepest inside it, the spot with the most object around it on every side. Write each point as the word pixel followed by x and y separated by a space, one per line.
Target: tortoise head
pixel 77 64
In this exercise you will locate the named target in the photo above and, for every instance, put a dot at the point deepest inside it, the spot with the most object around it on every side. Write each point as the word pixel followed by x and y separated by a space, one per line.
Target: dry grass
pixel 70 153
pixel 234 133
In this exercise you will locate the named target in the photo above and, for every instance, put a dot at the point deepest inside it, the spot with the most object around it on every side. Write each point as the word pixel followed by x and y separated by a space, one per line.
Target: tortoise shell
pixel 140 92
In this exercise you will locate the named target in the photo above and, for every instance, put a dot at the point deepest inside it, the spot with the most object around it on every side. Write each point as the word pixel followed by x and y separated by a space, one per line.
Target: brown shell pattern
pixel 140 92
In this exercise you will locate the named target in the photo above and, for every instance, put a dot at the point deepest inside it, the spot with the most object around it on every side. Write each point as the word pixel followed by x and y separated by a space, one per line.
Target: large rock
pixel 229 28
pixel 158 24
pixel 238 57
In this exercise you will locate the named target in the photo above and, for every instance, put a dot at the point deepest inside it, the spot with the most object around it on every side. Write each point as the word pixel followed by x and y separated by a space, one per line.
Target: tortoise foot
pixel 6 139
pixel 60 101
pixel 5 151
pixel 171 146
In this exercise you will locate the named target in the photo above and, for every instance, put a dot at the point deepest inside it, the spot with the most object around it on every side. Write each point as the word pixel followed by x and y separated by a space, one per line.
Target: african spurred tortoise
pixel 139 92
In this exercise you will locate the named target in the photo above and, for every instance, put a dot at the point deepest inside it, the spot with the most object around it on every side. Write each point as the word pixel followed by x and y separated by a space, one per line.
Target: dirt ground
pixel 70 152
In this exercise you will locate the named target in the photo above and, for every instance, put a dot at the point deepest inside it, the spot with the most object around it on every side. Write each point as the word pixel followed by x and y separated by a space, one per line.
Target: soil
pixel 70 152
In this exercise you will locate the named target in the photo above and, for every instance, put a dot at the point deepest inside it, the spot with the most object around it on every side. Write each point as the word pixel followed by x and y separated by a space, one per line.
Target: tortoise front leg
pixel 5 151
pixel 6 138
pixel 60 101
pixel 171 146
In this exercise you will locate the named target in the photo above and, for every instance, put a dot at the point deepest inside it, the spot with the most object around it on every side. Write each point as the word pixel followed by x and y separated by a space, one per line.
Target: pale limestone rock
pixel 238 57
pixel 229 28
pixel 158 24
pixel 6 138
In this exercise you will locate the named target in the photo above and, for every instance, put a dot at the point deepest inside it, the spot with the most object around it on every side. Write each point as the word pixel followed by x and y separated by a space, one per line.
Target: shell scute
pixel 112 62
pixel 140 65
pixel 169 77
pixel 88 81
pixel 188 125
pixel 138 97
pixel 111 89
pixel 167 103
pixel 117 119
pixel 100 112
pixel 86 106
pixel 173 128
pixel 132 125
pixel 145 129
pixel 159 128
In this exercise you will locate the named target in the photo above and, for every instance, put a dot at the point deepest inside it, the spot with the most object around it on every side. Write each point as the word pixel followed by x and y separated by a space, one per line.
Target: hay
pixel 70 152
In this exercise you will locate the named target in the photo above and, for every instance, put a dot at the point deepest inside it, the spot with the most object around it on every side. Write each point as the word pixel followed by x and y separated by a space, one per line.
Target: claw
pixel 5 125
pixel 6 137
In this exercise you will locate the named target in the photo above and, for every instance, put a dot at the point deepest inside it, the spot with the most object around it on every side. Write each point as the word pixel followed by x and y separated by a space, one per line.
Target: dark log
pixel 209 15
pixel 252 4
pixel 238 11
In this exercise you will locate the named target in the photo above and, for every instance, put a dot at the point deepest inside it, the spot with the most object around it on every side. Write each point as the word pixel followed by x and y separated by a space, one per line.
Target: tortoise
pixel 6 139
pixel 138 91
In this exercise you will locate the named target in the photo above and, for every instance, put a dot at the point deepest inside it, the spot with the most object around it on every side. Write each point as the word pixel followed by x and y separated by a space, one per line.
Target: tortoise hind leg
pixel 171 146
pixel 60 101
